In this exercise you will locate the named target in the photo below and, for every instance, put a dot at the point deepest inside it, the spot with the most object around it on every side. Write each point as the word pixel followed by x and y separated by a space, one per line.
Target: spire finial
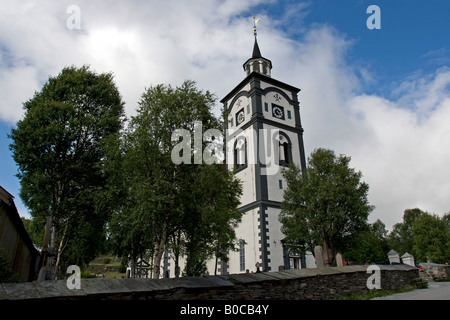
pixel 257 63
pixel 255 22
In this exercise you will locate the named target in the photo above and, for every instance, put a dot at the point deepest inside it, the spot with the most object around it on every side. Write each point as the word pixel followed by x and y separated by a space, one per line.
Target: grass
pixel 104 266
pixel 443 280
pixel 378 293
pixel 114 275
pixel 86 275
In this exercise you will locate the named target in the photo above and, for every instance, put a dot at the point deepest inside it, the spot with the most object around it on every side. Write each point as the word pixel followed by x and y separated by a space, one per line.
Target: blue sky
pixel 412 37
pixel 379 96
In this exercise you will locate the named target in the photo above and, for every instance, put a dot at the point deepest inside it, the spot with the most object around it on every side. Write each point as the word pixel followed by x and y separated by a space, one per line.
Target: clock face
pixel 240 117
pixel 277 112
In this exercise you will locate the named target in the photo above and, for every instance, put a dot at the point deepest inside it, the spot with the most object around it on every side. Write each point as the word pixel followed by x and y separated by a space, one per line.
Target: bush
pixel 7 275
pixel 87 275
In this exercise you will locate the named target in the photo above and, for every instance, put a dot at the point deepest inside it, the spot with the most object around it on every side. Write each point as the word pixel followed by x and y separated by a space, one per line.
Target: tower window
pixel 280 183
pixel 284 149
pixel 266 106
pixel 289 114
pixel 248 109
pixel 240 153
pixel 256 67
pixel 284 152
pixel 242 255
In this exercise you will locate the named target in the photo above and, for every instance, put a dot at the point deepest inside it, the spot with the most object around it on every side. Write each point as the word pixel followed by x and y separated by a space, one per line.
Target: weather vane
pixel 256 20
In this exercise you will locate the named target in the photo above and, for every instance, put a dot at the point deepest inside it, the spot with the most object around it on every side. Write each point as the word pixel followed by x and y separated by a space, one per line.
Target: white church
pixel 264 133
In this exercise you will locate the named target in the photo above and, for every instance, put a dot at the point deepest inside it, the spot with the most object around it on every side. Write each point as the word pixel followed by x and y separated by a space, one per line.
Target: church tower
pixel 264 134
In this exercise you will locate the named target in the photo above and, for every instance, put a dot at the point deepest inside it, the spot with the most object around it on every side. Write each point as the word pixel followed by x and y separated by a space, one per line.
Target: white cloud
pixel 400 144
pixel 405 150
pixel 10 79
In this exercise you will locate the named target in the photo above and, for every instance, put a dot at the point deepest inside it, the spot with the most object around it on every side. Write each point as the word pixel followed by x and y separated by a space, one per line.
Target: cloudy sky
pixel 380 96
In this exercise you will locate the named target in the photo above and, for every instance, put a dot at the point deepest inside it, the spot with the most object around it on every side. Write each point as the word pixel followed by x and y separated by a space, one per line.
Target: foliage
pixel 35 230
pixel 426 236
pixel 326 205
pixel 370 246
pixel 59 147
pixel 210 215
pixel 7 274
pixel 191 208
pixel 401 237
pixel 431 240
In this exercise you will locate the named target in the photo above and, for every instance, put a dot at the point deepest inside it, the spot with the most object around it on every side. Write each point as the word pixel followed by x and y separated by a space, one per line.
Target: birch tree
pixel 59 150
pixel 327 205
pixel 164 205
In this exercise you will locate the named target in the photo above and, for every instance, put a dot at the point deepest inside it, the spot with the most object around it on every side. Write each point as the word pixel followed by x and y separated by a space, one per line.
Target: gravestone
pixel 408 259
pixel 319 257
pixel 394 257
pixel 339 260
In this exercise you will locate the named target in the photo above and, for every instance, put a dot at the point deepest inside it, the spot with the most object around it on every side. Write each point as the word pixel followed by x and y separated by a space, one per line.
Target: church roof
pixel 256 52
pixel 256 55
pixel 259 76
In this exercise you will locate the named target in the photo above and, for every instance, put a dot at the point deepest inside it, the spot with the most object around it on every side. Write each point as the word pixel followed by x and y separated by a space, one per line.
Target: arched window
pixel 284 149
pixel 240 153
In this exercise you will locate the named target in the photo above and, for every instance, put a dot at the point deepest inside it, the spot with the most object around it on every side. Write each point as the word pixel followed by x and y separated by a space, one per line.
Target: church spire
pixel 256 52
pixel 257 63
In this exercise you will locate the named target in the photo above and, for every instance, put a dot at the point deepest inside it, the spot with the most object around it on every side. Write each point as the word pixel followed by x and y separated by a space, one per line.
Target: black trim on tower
pixel 255 93
pixel 258 76
pixel 263 237
pixel 298 126
pixel 262 192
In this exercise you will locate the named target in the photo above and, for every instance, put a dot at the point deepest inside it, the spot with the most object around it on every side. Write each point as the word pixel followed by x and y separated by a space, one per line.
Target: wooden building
pixel 16 246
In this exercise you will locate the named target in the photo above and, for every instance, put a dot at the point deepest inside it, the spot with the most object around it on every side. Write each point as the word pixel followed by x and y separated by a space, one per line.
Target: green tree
pixel 370 246
pixel 59 149
pixel 35 230
pixel 164 203
pixel 401 238
pixel 326 205
pixel 7 274
pixel 430 238
pixel 446 219
pixel 210 216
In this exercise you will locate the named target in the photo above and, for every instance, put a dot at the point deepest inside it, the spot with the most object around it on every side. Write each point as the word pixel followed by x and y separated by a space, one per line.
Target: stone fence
pixel 297 284
pixel 434 271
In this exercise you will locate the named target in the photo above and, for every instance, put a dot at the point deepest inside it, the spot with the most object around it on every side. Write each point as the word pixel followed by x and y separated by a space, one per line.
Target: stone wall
pixel 300 284
pixel 434 271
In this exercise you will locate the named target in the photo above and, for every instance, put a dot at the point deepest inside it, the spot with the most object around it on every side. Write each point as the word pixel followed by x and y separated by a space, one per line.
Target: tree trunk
pixel 133 267
pixel 159 253
pixel 61 248
pixel 176 253
pixel 215 265
pixel 177 267
pixel 327 251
